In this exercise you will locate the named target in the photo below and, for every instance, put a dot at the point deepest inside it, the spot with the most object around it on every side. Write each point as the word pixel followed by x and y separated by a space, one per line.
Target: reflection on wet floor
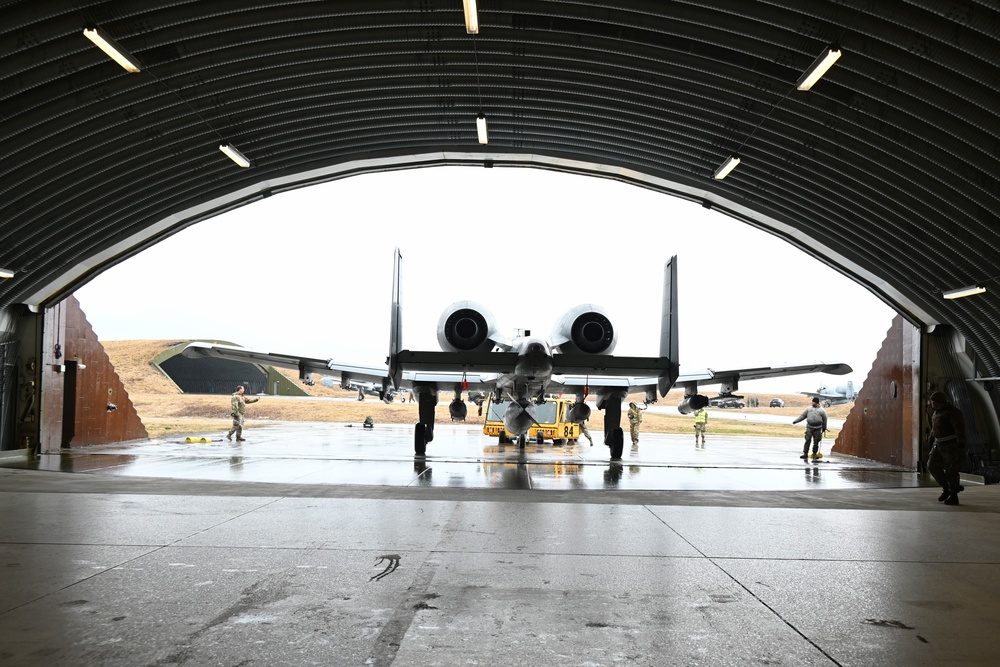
pixel 461 456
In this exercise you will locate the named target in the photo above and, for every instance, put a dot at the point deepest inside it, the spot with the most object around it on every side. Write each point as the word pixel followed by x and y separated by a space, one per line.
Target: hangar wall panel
pixel 80 383
pixel 882 425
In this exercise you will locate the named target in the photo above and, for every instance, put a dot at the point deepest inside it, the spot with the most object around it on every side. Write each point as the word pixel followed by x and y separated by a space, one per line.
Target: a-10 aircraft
pixel 835 396
pixel 363 388
pixel 576 359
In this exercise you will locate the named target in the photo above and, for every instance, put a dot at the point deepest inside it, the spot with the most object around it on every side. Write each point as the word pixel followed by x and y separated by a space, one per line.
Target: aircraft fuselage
pixel 532 370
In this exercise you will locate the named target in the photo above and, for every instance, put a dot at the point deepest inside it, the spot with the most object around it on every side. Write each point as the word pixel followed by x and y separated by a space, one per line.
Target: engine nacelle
pixel 466 326
pixel 692 403
pixel 585 328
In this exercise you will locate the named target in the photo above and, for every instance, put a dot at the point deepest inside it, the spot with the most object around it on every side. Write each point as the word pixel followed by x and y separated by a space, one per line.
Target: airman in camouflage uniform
pixel 238 405
pixel 634 419
pixel 700 423
pixel 815 417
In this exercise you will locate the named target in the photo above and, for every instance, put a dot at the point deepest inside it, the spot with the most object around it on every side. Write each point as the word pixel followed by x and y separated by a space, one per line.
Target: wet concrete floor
pixel 461 456
pixel 318 544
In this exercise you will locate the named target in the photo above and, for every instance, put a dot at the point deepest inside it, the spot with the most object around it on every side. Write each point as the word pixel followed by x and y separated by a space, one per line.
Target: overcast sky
pixel 309 272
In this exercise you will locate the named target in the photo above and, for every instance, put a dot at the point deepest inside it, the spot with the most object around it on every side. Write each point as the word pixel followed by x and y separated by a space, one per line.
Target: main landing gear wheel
pixel 420 438
pixel 616 440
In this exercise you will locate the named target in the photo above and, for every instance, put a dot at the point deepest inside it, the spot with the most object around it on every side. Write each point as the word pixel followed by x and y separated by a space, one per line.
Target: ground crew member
pixel 238 404
pixel 815 417
pixel 585 432
pixel 700 423
pixel 947 442
pixel 634 419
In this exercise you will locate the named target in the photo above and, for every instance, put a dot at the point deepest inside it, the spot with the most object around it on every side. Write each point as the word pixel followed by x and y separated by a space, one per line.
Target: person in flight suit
pixel 700 424
pixel 634 419
pixel 947 442
pixel 238 403
pixel 815 417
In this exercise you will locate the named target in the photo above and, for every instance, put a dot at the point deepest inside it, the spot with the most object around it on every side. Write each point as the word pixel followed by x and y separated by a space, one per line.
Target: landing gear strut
pixel 616 441
pixel 420 439
pixel 423 431
pixel 614 437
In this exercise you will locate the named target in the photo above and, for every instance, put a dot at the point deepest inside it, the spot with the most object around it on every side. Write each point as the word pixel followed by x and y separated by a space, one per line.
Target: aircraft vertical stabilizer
pixel 669 347
pixel 395 323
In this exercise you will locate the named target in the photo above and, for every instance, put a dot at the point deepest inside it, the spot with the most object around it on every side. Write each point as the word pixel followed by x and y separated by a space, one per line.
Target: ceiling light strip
pixel 818 68
pixel 963 292
pixel 112 48
pixel 726 167
pixel 235 155
pixel 471 17
pixel 481 129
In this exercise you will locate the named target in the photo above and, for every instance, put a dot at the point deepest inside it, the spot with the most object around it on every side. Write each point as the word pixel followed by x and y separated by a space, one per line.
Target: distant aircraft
pixel 363 388
pixel 576 359
pixel 836 396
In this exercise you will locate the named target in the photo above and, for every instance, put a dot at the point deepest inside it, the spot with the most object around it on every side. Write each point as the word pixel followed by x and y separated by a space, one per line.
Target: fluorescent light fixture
pixel 234 155
pixel 6 273
pixel 726 167
pixel 963 291
pixel 471 17
pixel 112 48
pixel 481 129
pixel 818 68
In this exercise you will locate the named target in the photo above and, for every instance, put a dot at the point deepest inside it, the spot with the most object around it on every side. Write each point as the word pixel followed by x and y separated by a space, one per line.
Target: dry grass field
pixel 166 411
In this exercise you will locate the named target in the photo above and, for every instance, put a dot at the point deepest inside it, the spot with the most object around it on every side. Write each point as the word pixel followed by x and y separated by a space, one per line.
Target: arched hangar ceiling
pixel 886 168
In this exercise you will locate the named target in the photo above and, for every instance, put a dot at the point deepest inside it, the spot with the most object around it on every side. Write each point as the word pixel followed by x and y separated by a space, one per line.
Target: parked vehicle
pixel 551 425
pixel 777 403
pixel 726 403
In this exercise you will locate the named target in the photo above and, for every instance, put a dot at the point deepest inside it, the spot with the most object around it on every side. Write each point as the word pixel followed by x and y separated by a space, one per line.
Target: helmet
pixel 938 397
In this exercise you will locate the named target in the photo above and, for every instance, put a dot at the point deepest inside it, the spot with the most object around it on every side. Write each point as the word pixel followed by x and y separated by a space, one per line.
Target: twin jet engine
pixel 466 326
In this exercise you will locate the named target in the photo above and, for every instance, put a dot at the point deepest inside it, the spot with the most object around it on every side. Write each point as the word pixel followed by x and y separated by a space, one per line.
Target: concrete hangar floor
pixel 322 544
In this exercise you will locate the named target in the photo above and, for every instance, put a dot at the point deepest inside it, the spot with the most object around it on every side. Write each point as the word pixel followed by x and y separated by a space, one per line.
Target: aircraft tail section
pixel 669 347
pixel 395 323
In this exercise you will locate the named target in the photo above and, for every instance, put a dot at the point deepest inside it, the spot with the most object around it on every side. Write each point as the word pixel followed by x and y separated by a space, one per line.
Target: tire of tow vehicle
pixel 617 442
pixel 420 438
pixel 539 438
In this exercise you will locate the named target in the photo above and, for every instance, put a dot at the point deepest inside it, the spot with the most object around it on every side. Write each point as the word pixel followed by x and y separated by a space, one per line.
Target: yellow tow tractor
pixel 552 424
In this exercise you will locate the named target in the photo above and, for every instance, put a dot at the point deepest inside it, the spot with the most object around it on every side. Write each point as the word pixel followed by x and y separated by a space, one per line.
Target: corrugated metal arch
pixel 887 169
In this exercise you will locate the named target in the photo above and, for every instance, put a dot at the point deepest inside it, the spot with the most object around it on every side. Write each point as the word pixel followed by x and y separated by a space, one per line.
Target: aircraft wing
pixel 732 377
pixel 457 362
pixel 572 384
pixel 448 369
pixel 619 374
pixel 302 364
pixel 814 394
pixel 572 372
pixel 599 365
